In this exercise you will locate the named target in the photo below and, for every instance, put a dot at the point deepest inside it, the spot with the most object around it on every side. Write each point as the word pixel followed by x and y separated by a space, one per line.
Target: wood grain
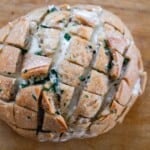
pixel 134 133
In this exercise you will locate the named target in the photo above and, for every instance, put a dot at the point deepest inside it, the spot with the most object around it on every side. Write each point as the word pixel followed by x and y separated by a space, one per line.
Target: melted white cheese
pixel 137 88
pixel 34 46
pixel 62 50
pixel 98 35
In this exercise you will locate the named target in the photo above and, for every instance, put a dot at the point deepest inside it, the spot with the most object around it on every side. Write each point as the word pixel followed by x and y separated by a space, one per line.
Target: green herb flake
pixel 67 36
pixel 0 89
pixel 34 97
pixel 125 62
pixel 86 96
pixel 82 78
pixel 52 9
pixel 38 53
pixel 110 65
pixel 44 26
pixel 24 84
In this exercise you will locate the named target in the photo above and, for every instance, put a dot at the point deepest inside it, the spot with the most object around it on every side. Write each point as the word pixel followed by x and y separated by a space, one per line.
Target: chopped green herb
pixel 33 96
pixel 81 78
pixel 109 66
pixel 89 46
pixel 107 48
pixel 52 9
pixel 57 112
pixel 38 53
pixel 62 91
pixel 24 84
pixel 54 79
pixel 0 90
pixel 67 36
pixel 94 51
pixel 86 96
pixel 125 62
pixel 88 77
pixel 64 104
pixel 25 71
pixel 45 89
pixel 43 26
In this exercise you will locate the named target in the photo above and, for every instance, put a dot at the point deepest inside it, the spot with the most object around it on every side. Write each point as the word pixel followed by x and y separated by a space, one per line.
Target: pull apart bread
pixel 67 72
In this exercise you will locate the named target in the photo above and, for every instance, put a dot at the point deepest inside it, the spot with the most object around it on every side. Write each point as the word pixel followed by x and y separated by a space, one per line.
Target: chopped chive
pixel 89 46
pixel 64 104
pixel 57 112
pixel 88 77
pixel 52 9
pixel 62 91
pixel 86 96
pixel 110 65
pixel 46 88
pixel 24 84
pixel 44 26
pixel 33 96
pixel 81 78
pixel 125 62
pixel 38 53
pixel 67 36
pixel 25 71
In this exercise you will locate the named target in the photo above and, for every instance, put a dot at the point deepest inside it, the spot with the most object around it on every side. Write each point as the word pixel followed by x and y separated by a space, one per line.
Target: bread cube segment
pixel 36 15
pixel 56 19
pixel 49 100
pixel 133 53
pixel 7 88
pixel 81 30
pixel 79 52
pixel 117 41
pixel 105 123
pixel 102 61
pixel 6 112
pixel 25 118
pixel 132 73
pixel 102 125
pixel 66 96
pixel 98 83
pixel 89 18
pixel 88 104
pixel 70 73
pixel 28 97
pixel 121 95
pixel 25 132
pixel 50 38
pixel 4 32
pixel 19 33
pixel 110 18
pixel 35 65
pixel 117 64
pixel 54 123
pixel 10 58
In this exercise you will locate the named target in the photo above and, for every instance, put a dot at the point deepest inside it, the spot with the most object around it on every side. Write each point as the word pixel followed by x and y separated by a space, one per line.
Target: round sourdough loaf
pixel 67 72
